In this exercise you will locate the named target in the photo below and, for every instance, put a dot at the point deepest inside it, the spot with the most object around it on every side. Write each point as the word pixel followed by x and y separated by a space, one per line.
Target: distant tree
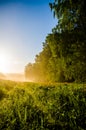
pixel 2 76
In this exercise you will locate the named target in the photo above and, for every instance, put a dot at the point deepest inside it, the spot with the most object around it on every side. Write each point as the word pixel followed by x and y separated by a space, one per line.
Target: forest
pixel 63 57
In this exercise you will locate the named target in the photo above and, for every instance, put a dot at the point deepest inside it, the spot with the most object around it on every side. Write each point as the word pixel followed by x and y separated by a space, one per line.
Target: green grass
pixel 32 106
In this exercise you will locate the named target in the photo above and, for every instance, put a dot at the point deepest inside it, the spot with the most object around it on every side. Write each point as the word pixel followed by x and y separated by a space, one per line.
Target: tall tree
pixel 70 14
pixel 71 17
pixel 63 57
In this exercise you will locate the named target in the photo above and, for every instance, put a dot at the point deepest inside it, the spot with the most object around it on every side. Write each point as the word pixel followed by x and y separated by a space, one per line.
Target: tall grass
pixel 32 106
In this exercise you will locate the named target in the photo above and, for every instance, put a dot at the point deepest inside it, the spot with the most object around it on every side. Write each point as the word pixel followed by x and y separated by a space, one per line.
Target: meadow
pixel 38 106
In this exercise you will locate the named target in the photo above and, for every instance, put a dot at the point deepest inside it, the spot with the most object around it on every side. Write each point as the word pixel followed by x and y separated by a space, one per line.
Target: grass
pixel 33 106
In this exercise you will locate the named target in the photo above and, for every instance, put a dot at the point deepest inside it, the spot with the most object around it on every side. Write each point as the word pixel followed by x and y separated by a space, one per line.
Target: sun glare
pixel 4 63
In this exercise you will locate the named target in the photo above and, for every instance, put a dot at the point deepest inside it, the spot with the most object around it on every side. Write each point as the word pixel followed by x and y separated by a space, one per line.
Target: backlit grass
pixel 32 106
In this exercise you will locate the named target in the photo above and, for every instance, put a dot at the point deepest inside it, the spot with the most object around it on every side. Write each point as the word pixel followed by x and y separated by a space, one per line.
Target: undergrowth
pixel 32 106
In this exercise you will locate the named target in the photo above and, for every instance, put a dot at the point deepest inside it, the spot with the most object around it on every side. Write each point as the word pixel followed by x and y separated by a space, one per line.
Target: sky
pixel 24 25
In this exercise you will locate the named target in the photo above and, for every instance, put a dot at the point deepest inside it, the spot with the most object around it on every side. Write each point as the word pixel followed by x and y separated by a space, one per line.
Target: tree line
pixel 63 57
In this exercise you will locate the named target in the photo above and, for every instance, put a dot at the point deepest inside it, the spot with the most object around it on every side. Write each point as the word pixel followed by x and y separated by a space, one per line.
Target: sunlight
pixel 4 62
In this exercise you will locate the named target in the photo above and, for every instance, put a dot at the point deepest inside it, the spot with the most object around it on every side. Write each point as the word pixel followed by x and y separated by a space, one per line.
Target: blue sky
pixel 24 24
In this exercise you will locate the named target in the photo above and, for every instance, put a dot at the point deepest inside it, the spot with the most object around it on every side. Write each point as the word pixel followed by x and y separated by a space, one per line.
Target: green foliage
pixel 32 106
pixel 63 58
pixel 70 14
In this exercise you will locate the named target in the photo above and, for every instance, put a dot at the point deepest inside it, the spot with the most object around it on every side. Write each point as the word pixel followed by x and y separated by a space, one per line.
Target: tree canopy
pixel 63 57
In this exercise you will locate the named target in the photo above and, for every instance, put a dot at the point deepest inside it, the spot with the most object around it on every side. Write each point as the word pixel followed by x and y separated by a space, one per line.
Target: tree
pixel 72 27
pixel 63 57
pixel 70 14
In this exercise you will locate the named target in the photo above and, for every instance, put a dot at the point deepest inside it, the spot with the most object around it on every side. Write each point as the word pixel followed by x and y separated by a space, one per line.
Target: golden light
pixel 4 63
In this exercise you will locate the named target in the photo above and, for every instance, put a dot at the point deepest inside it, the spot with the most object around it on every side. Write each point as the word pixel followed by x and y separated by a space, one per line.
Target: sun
pixel 4 63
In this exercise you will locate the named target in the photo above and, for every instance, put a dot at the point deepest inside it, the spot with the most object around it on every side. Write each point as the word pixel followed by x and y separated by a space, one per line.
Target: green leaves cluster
pixel 63 57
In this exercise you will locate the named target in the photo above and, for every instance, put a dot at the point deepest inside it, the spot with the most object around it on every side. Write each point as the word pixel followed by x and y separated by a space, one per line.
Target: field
pixel 37 106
